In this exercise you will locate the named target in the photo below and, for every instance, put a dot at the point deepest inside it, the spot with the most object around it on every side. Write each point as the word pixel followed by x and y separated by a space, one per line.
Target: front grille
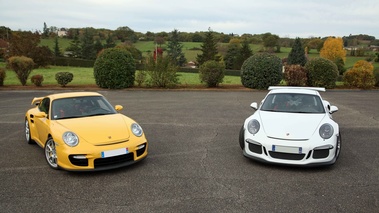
pixel 141 151
pixel 78 162
pixel 322 153
pixel 102 162
pixel 286 156
pixel 255 148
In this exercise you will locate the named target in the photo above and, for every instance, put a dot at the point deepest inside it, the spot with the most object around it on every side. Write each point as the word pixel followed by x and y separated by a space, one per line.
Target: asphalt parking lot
pixel 195 163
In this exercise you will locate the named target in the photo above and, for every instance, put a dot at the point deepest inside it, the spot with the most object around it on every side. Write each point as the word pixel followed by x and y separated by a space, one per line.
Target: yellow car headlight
pixel 70 138
pixel 136 129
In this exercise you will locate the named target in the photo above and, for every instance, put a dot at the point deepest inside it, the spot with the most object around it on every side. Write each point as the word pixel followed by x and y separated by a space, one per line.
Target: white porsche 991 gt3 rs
pixel 293 126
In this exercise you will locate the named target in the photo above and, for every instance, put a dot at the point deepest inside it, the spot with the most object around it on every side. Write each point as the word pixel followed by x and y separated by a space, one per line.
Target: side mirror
pixel 254 105
pixel 118 108
pixel 333 109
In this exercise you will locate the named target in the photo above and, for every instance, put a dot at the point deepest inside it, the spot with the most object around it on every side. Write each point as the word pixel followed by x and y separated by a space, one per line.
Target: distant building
pixel 62 32
pixel 191 64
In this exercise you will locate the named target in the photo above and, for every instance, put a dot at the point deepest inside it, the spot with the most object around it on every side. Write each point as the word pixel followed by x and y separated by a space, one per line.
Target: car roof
pixel 302 90
pixel 37 100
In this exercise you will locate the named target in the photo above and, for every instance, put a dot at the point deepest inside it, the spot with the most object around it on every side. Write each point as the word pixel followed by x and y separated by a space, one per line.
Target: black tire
pixel 242 138
pixel 28 135
pixel 51 153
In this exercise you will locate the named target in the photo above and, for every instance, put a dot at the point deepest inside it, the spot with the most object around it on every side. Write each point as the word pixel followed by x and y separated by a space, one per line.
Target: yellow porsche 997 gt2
pixel 82 131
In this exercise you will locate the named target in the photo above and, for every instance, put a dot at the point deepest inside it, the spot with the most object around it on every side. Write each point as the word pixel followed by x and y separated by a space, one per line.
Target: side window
pixel 44 106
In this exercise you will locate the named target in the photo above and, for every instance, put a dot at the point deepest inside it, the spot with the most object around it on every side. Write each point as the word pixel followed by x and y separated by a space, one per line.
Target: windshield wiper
pixel 96 114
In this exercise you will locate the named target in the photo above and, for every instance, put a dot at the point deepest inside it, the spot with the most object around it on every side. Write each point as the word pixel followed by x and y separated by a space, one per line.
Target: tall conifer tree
pixel 174 49
pixel 297 54
pixel 209 49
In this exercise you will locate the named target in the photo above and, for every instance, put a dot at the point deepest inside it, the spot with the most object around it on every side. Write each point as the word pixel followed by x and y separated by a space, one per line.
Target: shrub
pixel 340 66
pixel 22 65
pixel 114 69
pixel 261 71
pixel 321 72
pixel 376 74
pixel 140 77
pixel 295 75
pixel 63 78
pixel 360 76
pixel 162 72
pixel 3 74
pixel 37 80
pixel 212 73
pixel 364 64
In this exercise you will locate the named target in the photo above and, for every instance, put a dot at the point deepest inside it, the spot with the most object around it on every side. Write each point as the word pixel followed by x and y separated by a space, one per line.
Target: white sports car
pixel 293 126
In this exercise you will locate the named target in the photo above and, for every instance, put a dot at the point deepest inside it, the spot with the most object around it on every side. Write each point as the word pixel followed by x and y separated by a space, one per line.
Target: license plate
pixel 287 149
pixel 115 152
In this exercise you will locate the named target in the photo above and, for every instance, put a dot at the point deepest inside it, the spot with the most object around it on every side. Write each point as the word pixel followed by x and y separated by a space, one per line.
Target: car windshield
pixel 293 103
pixel 76 107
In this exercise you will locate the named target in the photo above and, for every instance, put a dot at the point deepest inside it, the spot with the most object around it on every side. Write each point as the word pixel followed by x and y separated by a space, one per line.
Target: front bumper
pixel 310 153
pixel 91 159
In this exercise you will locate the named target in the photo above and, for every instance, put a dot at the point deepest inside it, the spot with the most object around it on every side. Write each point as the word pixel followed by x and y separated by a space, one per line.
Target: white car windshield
pixel 76 107
pixel 293 103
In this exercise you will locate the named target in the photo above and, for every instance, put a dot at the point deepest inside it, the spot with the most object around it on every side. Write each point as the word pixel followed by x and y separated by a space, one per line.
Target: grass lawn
pixel 84 76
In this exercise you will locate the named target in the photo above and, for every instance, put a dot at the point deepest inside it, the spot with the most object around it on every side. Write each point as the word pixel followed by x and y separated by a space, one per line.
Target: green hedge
pixel 73 62
pixel 196 70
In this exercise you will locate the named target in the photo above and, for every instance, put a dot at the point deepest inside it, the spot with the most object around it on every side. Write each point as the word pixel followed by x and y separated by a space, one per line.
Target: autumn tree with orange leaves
pixel 333 49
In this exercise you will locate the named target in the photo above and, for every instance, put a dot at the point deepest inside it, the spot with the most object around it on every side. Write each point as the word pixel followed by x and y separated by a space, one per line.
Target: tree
pixel 126 34
pixel 333 49
pixel 159 40
pixel 209 49
pixel 22 43
pixel 297 54
pixel 75 48
pixel 174 49
pixel 98 46
pixel 27 44
pixel 232 55
pixel 109 42
pixel 315 43
pixel 45 33
pixel 5 33
pixel 271 41
pixel 245 53
pixel 88 47
pixel 57 52
pixel 197 37
pixel 136 53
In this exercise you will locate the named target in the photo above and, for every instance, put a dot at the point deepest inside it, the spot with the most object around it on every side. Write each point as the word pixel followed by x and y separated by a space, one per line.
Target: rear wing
pixel 36 100
pixel 320 89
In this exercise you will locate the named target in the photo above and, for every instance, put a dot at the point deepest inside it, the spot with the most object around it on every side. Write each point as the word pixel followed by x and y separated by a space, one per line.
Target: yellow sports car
pixel 82 131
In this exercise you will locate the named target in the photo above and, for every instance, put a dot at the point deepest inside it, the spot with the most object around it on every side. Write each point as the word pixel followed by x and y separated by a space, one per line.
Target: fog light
pixel 141 146
pixel 323 147
pixel 79 157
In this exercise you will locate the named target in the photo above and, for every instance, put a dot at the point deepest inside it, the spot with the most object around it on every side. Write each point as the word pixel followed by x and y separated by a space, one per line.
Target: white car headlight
pixel 136 129
pixel 326 131
pixel 253 126
pixel 70 138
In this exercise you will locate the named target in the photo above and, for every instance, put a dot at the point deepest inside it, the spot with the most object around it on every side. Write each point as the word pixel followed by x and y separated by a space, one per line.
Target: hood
pixel 290 126
pixel 99 130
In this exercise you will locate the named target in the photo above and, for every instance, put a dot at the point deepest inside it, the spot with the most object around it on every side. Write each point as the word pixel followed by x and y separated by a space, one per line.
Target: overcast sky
pixel 286 18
